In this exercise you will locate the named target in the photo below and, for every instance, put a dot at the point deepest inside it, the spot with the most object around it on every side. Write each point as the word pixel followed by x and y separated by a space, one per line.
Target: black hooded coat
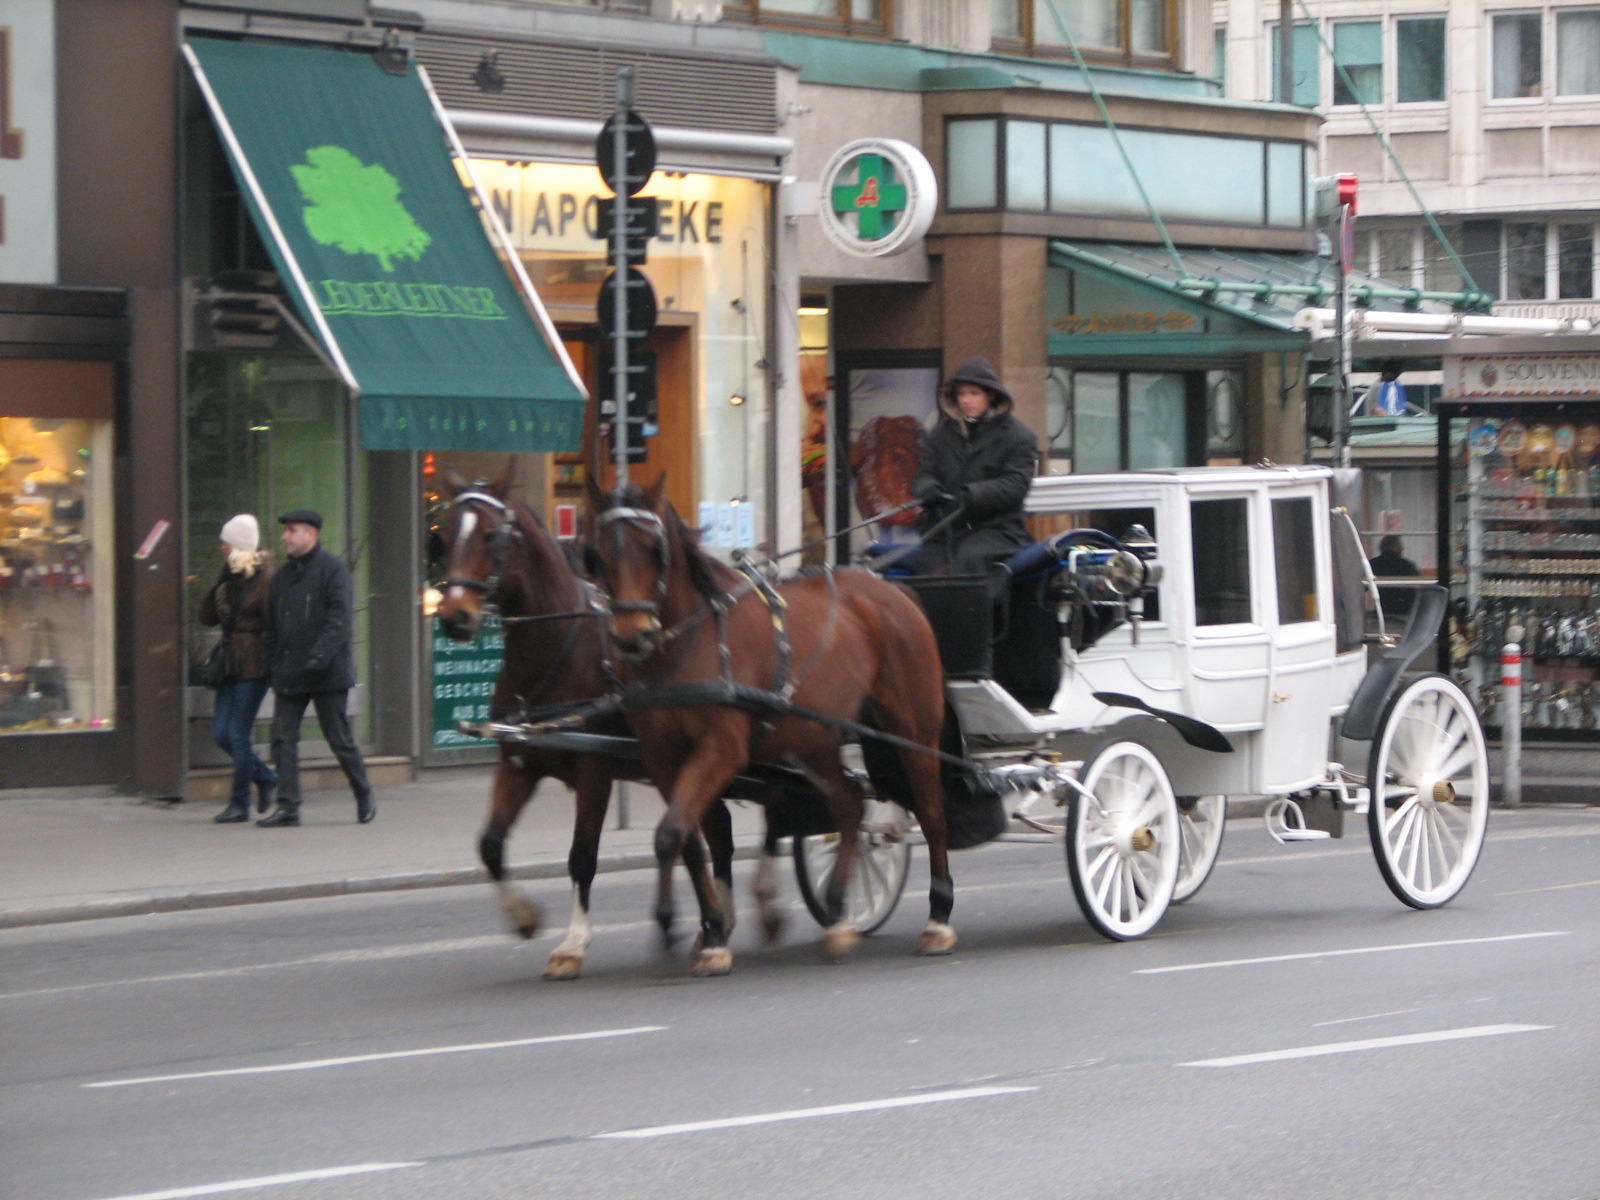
pixel 987 465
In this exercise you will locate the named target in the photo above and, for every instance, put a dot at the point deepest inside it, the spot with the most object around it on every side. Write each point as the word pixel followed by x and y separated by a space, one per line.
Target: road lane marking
pixel 314 1064
pixel 1554 887
pixel 262 1181
pixel 1276 958
pixel 805 1114
pixel 1383 1043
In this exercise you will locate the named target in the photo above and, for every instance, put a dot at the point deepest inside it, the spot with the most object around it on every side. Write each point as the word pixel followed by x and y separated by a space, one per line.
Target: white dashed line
pixel 1385 1043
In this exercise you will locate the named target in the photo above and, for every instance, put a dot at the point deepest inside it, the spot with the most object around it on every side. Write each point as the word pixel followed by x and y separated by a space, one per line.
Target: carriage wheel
pixel 883 859
pixel 1202 824
pixel 1124 845
pixel 1428 777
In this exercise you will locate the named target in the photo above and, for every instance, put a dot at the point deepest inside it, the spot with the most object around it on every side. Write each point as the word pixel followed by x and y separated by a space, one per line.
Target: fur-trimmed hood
pixel 980 371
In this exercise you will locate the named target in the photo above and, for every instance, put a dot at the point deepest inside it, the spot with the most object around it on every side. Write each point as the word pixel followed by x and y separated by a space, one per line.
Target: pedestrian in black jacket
pixel 978 464
pixel 309 640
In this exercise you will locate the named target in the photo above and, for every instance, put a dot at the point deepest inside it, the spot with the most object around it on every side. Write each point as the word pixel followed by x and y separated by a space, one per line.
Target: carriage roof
pixel 1052 492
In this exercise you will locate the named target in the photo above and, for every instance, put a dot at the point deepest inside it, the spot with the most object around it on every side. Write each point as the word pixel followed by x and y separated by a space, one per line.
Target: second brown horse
pixel 839 645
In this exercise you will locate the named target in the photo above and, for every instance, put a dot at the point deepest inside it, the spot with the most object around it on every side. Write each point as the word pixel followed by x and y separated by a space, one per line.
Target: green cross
pixel 876 197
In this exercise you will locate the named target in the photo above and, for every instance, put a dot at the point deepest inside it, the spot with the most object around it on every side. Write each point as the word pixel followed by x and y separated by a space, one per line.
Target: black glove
pixel 937 500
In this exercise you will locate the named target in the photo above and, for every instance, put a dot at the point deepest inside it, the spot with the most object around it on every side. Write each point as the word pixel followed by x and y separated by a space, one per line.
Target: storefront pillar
pixel 994 297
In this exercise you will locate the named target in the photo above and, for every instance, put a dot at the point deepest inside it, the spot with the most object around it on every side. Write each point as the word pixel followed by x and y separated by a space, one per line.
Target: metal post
pixel 619 262
pixel 1341 363
pixel 1511 718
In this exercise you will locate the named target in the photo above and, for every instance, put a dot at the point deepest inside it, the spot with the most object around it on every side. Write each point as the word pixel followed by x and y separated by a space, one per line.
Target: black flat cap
pixel 301 516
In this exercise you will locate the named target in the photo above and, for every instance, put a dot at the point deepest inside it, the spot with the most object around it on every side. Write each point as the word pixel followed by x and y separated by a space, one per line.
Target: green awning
pixel 349 174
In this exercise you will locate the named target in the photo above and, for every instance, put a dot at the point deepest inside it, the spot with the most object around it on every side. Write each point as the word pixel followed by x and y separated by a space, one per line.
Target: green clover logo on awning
pixel 356 208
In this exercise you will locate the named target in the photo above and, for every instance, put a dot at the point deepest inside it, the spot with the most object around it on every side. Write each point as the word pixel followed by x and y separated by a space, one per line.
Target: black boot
pixel 285 814
pixel 237 810
pixel 366 808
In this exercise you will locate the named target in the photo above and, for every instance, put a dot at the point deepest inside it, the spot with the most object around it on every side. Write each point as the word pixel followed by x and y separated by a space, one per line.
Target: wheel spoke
pixel 1103 869
pixel 1400 813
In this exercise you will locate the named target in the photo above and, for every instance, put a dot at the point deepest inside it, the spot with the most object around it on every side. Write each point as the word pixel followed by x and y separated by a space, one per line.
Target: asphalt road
pixel 1291 1032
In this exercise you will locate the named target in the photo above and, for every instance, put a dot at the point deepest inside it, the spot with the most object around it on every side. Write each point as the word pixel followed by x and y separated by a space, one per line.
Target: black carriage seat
pixel 1027 650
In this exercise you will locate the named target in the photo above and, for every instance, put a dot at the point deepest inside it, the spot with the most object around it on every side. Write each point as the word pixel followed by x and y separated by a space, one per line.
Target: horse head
pixel 631 535
pixel 481 528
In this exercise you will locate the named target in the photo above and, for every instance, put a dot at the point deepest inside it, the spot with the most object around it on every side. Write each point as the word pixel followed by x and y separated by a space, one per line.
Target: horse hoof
pixel 562 967
pixel 718 961
pixel 526 917
pixel 772 927
pixel 936 939
pixel 840 941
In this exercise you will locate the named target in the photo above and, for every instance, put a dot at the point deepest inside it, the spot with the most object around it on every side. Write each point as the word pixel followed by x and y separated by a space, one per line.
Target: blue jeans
pixel 231 724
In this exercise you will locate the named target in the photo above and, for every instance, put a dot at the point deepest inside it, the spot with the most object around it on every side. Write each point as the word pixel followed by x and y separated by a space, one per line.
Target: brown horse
pixel 702 644
pixel 501 555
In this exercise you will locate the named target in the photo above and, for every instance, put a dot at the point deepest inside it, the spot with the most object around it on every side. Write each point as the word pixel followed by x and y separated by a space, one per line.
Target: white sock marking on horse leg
pixel 579 930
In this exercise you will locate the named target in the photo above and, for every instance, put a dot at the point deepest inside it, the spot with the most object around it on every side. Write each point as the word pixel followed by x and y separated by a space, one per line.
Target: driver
pixel 976 466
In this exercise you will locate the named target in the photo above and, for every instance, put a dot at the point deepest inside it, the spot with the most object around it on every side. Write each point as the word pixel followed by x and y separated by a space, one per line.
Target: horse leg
pixel 765 887
pixel 513 784
pixel 927 792
pixel 697 785
pixel 593 798
pixel 847 804
pixel 717 826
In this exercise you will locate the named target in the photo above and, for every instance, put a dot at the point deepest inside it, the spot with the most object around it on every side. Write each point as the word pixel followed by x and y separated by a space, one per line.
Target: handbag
pixel 214 672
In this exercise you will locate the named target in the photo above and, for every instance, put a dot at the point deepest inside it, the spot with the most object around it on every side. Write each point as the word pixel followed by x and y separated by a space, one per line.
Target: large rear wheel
pixel 1124 841
pixel 1428 776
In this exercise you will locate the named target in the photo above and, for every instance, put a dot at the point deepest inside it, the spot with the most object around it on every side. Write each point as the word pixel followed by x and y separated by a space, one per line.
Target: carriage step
pixel 1302 835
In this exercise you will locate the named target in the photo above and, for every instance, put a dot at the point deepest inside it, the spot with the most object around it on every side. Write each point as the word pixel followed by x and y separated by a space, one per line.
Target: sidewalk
pixel 76 857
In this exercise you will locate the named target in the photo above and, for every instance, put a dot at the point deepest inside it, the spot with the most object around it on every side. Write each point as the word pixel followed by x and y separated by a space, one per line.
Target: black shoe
pixel 283 816
pixel 237 810
pixel 264 795
pixel 366 808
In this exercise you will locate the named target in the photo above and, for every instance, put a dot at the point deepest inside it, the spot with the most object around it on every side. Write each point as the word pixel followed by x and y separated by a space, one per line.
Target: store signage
pixel 463 681
pixel 27 143
pixel 1125 322
pixel 1527 375
pixel 878 196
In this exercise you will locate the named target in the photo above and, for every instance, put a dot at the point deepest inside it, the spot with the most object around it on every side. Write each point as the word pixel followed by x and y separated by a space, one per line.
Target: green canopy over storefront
pixel 348 172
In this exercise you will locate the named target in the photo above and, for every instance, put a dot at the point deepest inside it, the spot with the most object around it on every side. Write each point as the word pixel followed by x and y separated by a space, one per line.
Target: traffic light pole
pixel 1341 353
pixel 619 264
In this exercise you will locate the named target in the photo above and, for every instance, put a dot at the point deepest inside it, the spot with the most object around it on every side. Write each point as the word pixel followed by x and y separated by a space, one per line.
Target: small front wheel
pixel 883 860
pixel 1202 821
pixel 1428 783
pixel 1124 841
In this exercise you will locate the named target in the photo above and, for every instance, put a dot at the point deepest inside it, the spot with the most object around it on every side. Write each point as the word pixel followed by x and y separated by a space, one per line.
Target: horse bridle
pixel 640 518
pixel 498 539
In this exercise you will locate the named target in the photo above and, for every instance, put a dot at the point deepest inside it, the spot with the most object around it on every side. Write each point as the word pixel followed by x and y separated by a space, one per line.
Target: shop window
pixel 1574 262
pixel 971 157
pixel 1219 543
pixel 1104 30
pixel 56 532
pixel 1295 560
pixel 1419 45
pixel 1358 62
pixel 1578 52
pixel 1525 255
pixel 1518 53
pixel 1120 420
pixel 852 16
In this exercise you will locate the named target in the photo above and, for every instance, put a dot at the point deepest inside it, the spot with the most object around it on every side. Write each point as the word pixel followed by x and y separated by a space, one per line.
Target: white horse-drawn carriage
pixel 1196 636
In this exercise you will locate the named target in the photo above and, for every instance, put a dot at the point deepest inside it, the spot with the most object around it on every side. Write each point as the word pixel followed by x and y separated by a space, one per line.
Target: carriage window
pixel 1219 534
pixel 1118 522
pixel 1294 556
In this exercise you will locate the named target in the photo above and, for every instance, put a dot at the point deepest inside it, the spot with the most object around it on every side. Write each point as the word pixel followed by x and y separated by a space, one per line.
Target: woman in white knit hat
pixel 238 603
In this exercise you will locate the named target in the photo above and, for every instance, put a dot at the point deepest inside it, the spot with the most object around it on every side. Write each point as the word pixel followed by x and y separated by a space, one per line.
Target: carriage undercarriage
pixel 1111 691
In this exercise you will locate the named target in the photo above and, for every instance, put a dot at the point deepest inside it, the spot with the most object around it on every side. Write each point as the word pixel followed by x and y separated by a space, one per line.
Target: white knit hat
pixel 242 533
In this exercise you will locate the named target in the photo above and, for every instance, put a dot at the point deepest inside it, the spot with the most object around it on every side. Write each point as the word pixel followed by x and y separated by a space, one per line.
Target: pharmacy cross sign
pixel 875 200
pixel 879 196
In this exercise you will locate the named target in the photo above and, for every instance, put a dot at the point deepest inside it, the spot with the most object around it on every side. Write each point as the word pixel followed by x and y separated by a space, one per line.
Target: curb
pixel 167 902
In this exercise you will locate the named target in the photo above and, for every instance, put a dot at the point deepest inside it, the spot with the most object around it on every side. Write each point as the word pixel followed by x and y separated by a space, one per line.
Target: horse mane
pixel 709 576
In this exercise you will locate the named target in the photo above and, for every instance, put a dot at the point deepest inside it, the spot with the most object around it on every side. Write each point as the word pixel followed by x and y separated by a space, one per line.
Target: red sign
pixel 566 521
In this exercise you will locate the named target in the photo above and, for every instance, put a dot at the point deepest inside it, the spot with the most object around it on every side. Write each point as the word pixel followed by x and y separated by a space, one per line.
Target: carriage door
pixel 1231 653
pixel 1295 746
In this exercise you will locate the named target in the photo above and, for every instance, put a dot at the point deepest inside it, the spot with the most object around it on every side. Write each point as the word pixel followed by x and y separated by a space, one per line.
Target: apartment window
pixel 1578 52
pixel 1574 262
pixel 1219 56
pixel 1525 255
pixel 854 16
pixel 1305 57
pixel 1358 62
pixel 1518 49
pixel 1439 272
pixel 1419 60
pixel 1114 30
pixel 1397 249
